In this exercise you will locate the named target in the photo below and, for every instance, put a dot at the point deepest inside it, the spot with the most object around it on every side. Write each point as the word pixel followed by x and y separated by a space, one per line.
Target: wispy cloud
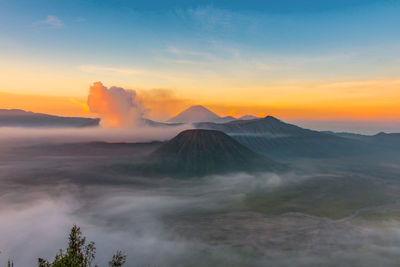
pixel 188 62
pixel 182 52
pixel 101 69
pixel 208 18
pixel 51 21
pixel 362 84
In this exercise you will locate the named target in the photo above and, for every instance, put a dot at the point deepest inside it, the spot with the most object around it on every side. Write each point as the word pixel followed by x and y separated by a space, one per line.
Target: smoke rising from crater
pixel 116 106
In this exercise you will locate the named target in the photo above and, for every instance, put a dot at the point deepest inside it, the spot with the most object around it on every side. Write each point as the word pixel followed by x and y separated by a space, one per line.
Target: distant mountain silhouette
pixel 21 118
pixel 152 123
pixel 225 119
pixel 271 136
pixel 194 114
pixel 202 152
pixel 248 117
pixel 201 114
pixel 382 140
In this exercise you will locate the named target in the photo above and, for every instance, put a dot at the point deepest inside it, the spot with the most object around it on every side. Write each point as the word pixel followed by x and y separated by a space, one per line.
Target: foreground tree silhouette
pixel 118 259
pixel 79 254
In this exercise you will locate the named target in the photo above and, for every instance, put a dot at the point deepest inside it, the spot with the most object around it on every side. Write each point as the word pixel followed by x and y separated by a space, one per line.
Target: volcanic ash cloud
pixel 117 107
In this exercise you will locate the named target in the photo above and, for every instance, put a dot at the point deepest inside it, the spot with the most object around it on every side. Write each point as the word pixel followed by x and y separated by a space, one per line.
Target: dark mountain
pixel 194 114
pixel 279 139
pixel 202 152
pixel 268 126
pixel 20 118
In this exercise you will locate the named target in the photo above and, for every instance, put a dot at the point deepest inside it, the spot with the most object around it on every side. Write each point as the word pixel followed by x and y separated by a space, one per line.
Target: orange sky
pixel 375 99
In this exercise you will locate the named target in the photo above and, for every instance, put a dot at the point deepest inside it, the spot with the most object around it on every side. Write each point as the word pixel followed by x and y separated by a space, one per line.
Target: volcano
pixel 195 114
pixel 201 152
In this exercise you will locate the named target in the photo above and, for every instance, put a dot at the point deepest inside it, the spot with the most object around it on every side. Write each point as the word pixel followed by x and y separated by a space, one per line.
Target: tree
pixel 118 259
pixel 78 253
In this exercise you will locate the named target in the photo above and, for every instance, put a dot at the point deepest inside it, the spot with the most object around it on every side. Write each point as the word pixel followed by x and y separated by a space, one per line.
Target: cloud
pixel 210 18
pixel 361 84
pixel 51 21
pixel 116 106
pixel 162 103
pixel 177 51
pixel 104 70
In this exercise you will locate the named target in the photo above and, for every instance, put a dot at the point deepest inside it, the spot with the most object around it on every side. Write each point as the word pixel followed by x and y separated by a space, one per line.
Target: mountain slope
pixel 225 119
pixel 202 152
pixel 21 118
pixel 194 114
pixel 248 117
pixel 274 137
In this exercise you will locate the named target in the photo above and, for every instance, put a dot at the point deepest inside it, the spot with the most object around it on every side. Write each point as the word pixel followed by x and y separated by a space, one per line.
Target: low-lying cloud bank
pixel 10 136
pixel 176 224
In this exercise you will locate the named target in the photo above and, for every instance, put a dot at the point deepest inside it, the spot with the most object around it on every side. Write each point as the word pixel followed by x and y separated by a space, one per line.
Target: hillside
pixel 273 137
pixel 21 118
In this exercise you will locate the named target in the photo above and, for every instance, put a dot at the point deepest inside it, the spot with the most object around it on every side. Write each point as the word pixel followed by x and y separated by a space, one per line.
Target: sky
pixel 292 59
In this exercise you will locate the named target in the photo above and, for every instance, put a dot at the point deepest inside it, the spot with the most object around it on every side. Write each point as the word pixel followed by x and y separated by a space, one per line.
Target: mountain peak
pixel 200 152
pixel 269 117
pixel 195 113
pixel 248 117
pixel 197 107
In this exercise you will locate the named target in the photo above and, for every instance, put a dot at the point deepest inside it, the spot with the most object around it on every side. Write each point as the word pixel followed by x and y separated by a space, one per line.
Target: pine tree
pixel 79 254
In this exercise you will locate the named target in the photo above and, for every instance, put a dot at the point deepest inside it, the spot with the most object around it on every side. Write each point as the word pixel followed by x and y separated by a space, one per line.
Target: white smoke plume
pixel 116 106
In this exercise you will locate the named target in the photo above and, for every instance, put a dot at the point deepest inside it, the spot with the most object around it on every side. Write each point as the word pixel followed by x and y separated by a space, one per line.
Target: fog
pixel 29 136
pixel 167 221
pixel 366 126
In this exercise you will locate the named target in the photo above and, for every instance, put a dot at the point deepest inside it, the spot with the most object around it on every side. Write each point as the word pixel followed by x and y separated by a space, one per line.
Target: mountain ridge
pixel 22 118
pixel 272 136
pixel 199 113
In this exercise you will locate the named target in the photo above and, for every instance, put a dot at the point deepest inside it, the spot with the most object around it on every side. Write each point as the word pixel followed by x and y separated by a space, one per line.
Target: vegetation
pixel 118 259
pixel 79 254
